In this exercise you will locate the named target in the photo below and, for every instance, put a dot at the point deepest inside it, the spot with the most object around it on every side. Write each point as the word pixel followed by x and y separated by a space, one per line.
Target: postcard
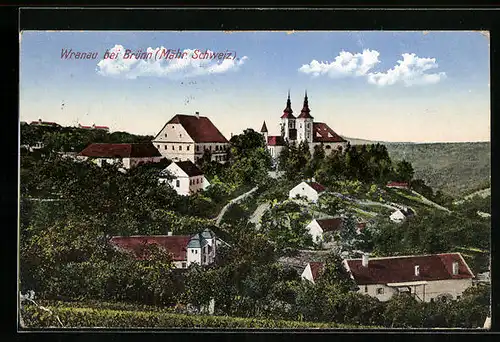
pixel 255 180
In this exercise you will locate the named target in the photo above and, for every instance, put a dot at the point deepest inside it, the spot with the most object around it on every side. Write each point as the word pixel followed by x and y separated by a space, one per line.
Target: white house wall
pixel 193 255
pixel 304 190
pixel 174 143
pixel 433 289
pixel 307 274
pixel 315 231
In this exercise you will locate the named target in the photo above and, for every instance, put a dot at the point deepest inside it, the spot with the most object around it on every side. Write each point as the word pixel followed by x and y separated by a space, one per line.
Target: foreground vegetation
pixel 84 317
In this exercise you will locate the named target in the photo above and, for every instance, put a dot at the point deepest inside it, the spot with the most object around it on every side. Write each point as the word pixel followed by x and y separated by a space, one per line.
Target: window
pixel 183 265
pixel 210 147
pixel 458 297
pixel 173 148
pixel 197 181
pixel 204 259
pixel 187 147
pixel 177 183
pixel 158 146
pixel 380 290
pixel 180 135
pixel 165 135
pixel 196 252
pixel 432 300
pixel 300 126
pixel 173 127
pixel 197 147
pixel 216 147
pixel 180 148
pixel 164 147
pixel 366 288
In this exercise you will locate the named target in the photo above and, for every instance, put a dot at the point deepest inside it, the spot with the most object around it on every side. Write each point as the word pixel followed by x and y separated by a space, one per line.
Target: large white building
pixel 426 277
pixel 187 137
pixel 302 128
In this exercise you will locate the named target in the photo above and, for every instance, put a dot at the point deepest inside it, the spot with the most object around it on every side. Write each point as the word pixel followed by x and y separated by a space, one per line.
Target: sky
pixel 379 85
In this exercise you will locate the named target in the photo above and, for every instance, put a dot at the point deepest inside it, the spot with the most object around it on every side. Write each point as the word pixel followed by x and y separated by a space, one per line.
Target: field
pixel 454 168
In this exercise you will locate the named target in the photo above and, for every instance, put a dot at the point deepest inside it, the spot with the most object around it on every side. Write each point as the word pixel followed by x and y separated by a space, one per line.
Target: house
pixel 303 128
pixel 44 123
pixel 312 271
pixel 318 228
pixel 400 215
pixel 398 185
pixel 188 178
pixel 199 248
pixel 426 277
pixel 187 137
pixel 103 128
pixel 129 155
pixel 310 189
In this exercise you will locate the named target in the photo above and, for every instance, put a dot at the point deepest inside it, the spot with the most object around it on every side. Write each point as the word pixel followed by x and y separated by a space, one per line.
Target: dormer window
pixel 417 270
pixel 455 268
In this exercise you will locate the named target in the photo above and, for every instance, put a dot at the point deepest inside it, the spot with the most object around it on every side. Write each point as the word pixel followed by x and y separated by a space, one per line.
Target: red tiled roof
pixel 397 184
pixel 175 244
pixel 101 127
pixel 323 133
pixel 316 186
pixel 120 151
pixel 189 168
pixel 402 269
pixel 200 129
pixel 316 267
pixel 330 225
pixel 275 140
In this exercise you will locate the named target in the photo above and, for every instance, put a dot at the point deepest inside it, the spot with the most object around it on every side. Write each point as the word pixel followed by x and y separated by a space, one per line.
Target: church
pixel 302 128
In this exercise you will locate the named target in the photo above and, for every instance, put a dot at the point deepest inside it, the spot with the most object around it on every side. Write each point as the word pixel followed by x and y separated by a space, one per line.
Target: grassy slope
pixel 454 168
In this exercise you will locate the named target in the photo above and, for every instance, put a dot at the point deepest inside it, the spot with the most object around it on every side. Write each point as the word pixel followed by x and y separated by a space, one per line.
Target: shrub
pixel 79 317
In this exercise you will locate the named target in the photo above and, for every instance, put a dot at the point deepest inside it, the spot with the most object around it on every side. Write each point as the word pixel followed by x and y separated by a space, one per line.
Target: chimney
pixel 366 258
pixel 417 270
pixel 455 268
pixel 197 115
pixel 169 233
pixel 313 180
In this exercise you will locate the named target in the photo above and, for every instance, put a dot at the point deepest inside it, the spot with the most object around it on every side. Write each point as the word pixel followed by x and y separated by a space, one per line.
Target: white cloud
pixel 155 65
pixel 345 64
pixel 409 71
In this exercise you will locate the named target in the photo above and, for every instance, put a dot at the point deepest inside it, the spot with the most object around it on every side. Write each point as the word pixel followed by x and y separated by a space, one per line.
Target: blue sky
pixel 392 86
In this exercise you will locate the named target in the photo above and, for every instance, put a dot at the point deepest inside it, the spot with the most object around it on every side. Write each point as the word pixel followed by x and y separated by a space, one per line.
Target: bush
pixel 80 317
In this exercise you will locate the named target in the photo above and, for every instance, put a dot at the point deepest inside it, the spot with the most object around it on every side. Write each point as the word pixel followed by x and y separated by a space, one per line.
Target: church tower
pixel 264 131
pixel 288 129
pixel 305 123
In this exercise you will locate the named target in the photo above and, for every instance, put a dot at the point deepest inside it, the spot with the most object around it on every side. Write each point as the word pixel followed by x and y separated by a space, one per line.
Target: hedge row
pixel 72 317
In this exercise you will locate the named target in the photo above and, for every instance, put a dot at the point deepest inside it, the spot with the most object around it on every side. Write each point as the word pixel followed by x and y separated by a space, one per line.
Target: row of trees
pixel 366 163
pixel 73 139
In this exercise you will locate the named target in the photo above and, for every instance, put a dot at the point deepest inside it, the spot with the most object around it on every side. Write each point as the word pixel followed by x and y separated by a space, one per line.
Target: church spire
pixel 304 113
pixel 264 128
pixel 288 112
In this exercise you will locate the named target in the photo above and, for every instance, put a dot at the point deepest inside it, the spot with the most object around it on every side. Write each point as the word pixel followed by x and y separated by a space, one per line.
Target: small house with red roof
pixel 398 185
pixel 187 137
pixel 199 248
pixel 302 128
pixel 103 128
pixel 425 277
pixel 312 271
pixel 311 190
pixel 129 155
pixel 44 123
pixel 187 177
